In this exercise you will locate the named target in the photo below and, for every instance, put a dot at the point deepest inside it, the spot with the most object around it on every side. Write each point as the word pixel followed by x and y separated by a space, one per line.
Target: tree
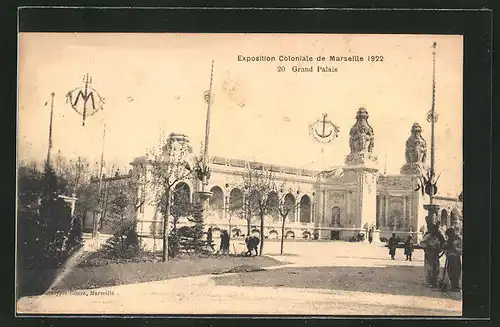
pixel 167 165
pixel 286 205
pixel 181 203
pixel 44 219
pixel 258 184
pixel 195 232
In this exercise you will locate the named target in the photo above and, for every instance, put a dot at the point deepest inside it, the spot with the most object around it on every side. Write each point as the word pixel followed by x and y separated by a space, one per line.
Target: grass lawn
pixel 139 272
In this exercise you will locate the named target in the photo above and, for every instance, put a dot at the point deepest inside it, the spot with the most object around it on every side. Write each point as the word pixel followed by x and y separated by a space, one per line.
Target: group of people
pixel 393 245
pixel 435 245
pixel 252 243
pixel 224 241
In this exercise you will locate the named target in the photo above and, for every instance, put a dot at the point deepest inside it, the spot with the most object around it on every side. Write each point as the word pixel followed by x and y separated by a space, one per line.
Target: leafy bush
pixel 125 243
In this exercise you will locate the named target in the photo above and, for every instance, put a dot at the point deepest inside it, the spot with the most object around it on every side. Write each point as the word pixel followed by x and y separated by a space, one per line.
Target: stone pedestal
pixel 432 214
pixel 365 198
pixel 412 169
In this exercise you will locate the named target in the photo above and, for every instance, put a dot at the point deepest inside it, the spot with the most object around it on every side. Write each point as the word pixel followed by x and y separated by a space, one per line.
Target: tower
pixel 363 165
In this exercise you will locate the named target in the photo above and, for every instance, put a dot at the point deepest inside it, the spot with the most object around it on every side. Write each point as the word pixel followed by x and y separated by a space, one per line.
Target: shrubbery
pixel 125 243
pixel 46 235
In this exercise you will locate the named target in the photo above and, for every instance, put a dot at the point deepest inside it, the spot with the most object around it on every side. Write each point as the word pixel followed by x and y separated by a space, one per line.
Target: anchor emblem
pixel 324 130
pixel 85 93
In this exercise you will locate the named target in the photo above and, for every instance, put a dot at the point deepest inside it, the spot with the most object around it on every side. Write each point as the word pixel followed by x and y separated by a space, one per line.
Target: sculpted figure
pixel 416 147
pixel 361 134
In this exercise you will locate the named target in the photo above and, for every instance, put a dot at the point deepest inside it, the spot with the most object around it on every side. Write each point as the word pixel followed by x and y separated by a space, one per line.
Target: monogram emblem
pixel 85 100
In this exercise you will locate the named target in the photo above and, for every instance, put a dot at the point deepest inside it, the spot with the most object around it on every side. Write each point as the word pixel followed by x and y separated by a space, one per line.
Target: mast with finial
pixel 432 117
pixel 205 172
pixel 100 203
pixel 49 150
pixel 86 81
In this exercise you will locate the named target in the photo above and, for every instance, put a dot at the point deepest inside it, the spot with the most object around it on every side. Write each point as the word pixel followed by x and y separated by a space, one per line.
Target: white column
pixel 404 208
pixel 312 212
pixel 224 206
pixel 380 213
pixel 386 210
pixel 347 207
pixel 410 203
pixel 323 219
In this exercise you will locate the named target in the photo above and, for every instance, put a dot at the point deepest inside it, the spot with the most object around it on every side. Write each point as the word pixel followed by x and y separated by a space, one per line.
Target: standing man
pixel 393 244
pixel 408 248
pixel 370 235
pixel 432 243
pixel 453 251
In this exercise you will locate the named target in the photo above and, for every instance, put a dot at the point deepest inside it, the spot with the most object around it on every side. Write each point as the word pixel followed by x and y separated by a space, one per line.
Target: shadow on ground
pixel 395 280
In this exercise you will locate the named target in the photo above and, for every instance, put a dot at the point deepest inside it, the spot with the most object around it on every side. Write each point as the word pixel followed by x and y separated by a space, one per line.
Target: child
pixel 408 248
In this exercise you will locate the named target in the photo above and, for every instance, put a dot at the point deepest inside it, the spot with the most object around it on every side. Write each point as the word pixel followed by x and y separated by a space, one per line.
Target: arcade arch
pixel 305 209
pixel 216 201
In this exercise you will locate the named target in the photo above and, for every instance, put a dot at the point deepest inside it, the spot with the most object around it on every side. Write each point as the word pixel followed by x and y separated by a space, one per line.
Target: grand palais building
pixel 336 204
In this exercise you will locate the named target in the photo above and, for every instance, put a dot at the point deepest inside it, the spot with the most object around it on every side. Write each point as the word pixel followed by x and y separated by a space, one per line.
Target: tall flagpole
pixel 100 200
pixel 203 170
pixel 433 117
pixel 50 128
pixel 207 124
pixel 430 181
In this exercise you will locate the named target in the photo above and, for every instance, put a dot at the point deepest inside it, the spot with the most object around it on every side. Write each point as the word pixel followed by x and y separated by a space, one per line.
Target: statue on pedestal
pixel 361 140
pixel 416 152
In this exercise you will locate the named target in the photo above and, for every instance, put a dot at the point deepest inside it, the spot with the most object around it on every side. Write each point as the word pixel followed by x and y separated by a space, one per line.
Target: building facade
pixel 337 204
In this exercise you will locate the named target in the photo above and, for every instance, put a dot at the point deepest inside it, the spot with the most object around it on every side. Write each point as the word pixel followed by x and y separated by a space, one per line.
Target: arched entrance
pixel 335 216
pixel 216 202
pixel 395 220
pixel 235 200
pixel 273 204
pixel 290 205
pixel 335 234
pixel 305 209
pixel 181 202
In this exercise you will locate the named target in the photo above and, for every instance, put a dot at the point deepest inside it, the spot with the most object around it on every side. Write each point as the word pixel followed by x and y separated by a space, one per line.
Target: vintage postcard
pixel 262 174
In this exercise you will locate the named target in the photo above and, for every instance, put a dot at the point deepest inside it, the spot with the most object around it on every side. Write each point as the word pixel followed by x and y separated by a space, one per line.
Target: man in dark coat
pixel 453 251
pixel 393 244
pixel 408 248
pixel 252 243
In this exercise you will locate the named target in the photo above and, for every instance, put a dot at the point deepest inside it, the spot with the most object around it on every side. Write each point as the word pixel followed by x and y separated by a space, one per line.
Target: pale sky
pixel 155 82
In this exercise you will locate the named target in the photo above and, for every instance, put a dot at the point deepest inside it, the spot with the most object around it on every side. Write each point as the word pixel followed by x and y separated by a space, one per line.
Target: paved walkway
pixel 201 294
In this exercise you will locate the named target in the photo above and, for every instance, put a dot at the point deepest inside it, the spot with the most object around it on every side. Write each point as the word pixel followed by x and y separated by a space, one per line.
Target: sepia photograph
pixel 250 174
